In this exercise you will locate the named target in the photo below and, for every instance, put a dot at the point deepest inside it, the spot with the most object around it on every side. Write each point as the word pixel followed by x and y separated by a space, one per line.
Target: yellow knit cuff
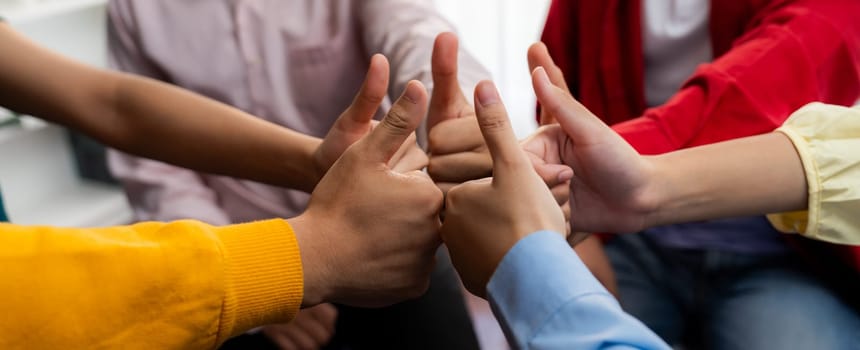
pixel 264 282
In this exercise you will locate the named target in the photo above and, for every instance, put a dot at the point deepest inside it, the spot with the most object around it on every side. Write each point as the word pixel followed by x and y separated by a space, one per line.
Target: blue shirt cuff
pixel 545 298
pixel 534 280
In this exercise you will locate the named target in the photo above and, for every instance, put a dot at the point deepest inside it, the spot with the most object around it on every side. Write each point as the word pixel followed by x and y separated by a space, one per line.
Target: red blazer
pixel 771 58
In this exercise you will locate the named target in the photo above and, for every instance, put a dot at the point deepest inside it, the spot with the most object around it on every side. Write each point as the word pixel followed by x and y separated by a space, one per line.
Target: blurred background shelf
pixel 19 11
pixel 39 176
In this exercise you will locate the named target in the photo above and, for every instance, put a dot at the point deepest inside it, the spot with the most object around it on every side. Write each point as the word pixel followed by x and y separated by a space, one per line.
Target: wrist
pixel 316 275
pixel 658 194
pixel 314 170
pixel 503 247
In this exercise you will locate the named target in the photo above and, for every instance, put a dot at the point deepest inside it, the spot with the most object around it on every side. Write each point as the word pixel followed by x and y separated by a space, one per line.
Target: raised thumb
pixel 401 121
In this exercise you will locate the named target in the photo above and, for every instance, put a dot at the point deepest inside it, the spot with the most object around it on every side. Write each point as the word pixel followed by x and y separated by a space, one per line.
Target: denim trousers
pixel 702 299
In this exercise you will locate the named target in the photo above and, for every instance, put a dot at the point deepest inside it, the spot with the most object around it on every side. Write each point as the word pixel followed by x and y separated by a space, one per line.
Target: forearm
pixel 193 284
pixel 208 136
pixel 151 119
pixel 754 175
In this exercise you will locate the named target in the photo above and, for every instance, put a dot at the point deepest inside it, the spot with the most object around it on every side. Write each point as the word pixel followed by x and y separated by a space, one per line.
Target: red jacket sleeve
pixel 789 55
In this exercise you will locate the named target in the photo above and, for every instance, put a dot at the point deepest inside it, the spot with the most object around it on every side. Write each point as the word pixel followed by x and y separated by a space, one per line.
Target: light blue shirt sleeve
pixel 545 298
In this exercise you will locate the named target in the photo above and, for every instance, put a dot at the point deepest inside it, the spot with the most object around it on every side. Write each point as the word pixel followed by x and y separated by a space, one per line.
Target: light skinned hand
pixel 457 151
pixel 311 329
pixel 357 120
pixel 485 218
pixel 538 56
pixel 369 235
pixel 611 187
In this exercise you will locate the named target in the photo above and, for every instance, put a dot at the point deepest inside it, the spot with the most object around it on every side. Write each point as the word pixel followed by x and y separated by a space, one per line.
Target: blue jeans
pixel 699 299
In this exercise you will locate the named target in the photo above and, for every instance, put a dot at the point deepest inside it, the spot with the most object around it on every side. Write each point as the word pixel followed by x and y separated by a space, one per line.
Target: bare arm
pixel 754 175
pixel 152 119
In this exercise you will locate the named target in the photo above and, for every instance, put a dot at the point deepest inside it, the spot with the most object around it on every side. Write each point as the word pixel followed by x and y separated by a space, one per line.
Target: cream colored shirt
pixel 827 138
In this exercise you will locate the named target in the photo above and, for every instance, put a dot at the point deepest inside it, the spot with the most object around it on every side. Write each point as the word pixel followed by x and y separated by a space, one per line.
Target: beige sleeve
pixel 827 139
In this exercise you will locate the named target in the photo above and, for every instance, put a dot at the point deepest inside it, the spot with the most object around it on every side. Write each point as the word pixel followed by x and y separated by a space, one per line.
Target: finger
pixel 326 314
pixel 315 332
pixel 577 122
pixel 577 238
pixel 455 135
pixel 553 174
pixel 543 146
pixel 446 87
pixel 401 121
pixel 498 134
pixel 460 167
pixel 369 97
pixel 297 335
pixel 281 341
pixel 565 211
pixel 538 56
pixel 404 149
pixel 561 193
pixel 414 159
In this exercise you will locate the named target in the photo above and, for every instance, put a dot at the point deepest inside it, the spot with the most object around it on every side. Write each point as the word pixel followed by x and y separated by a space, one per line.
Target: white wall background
pixel 498 33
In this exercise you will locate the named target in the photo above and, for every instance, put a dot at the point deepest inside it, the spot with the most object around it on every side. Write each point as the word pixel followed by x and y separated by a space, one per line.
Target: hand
pixel 457 151
pixel 557 178
pixel 369 235
pixel 311 329
pixel 538 56
pixel 486 218
pixel 611 190
pixel 357 120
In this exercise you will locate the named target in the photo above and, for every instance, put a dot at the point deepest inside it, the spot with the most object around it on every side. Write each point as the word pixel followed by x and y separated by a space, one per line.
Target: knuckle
pixel 493 122
pixel 431 196
pixel 369 98
pixel 435 168
pixel 436 196
pixel 455 195
pixel 435 138
pixel 397 120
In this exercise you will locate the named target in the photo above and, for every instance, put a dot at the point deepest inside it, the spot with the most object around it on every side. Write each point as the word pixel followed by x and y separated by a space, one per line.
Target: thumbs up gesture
pixel 369 235
pixel 612 189
pixel 457 151
pixel 486 218
pixel 357 120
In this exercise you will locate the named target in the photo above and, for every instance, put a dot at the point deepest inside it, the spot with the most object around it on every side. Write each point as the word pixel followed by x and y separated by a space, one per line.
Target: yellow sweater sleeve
pixel 827 139
pixel 180 285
